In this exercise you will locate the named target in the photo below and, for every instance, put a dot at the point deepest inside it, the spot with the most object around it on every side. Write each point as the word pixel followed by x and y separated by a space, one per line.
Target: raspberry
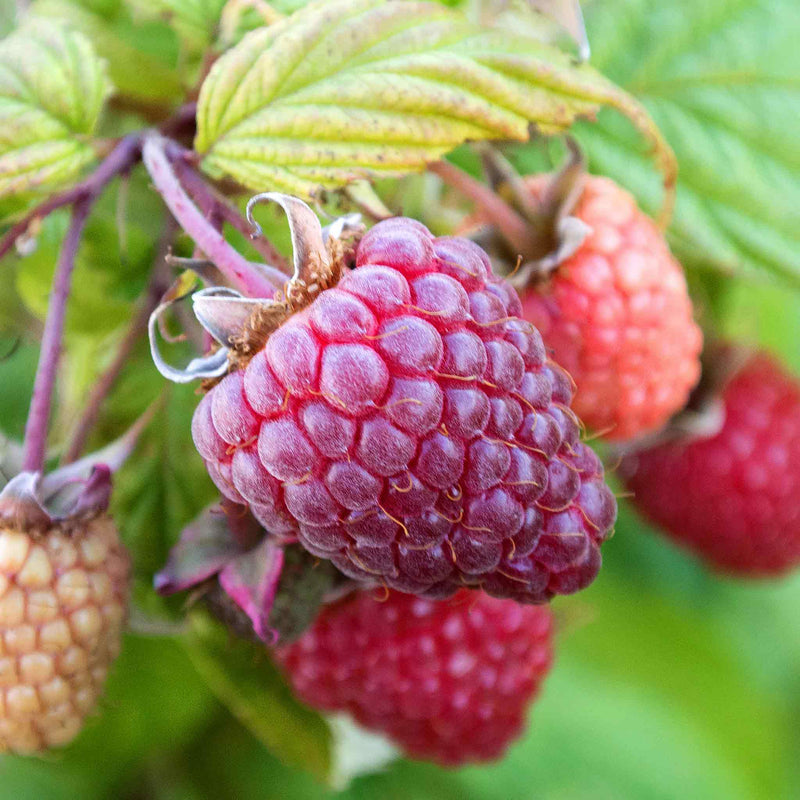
pixel 62 605
pixel 448 681
pixel 734 497
pixel 407 426
pixel 618 317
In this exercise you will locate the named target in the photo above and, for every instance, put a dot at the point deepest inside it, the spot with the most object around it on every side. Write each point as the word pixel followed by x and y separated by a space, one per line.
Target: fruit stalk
pixel 41 401
pixel 499 213
pixel 232 264
pixel 208 200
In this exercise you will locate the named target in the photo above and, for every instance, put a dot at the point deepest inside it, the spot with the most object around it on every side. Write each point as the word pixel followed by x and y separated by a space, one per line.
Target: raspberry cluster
pixel 448 681
pixel 63 598
pixel 734 497
pixel 408 426
pixel 618 317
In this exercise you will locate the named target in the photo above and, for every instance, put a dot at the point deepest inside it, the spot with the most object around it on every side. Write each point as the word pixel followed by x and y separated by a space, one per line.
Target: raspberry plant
pixel 380 464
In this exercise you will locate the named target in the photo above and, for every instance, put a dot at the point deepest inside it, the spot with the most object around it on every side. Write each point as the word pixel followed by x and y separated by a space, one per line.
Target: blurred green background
pixel 670 682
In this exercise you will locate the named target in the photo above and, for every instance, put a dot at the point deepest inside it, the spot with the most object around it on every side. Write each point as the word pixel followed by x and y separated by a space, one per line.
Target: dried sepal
pixel 241 325
pixel 555 235
pixel 11 458
pixel 251 580
pixel 224 312
pixel 214 365
pixel 35 501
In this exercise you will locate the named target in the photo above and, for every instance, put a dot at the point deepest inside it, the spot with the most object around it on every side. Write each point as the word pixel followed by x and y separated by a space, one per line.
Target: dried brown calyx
pixel 241 325
pixel 551 233
pixel 66 498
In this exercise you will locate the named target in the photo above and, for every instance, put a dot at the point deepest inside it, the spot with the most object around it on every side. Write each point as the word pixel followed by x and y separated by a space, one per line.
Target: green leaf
pixel 722 81
pixel 8 14
pixel 52 89
pixel 164 484
pixel 352 87
pixel 140 57
pixel 200 24
pixel 243 677
pixel 195 21
pixel 153 698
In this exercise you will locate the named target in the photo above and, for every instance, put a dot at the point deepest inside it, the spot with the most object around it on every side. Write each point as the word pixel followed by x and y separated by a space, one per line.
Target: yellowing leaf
pixel 52 89
pixel 352 87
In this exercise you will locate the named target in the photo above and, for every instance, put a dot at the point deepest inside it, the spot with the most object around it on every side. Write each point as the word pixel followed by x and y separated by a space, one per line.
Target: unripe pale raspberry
pixel 407 426
pixel 449 681
pixel 63 597
pixel 734 497
pixel 618 317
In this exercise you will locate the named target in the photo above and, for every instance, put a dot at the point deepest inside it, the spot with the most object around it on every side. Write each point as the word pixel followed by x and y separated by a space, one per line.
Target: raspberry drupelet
pixel 447 681
pixel 408 426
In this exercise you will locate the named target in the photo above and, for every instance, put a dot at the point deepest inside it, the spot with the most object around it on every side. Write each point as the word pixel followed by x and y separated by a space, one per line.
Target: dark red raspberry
pixel 618 316
pixel 407 426
pixel 733 498
pixel 448 681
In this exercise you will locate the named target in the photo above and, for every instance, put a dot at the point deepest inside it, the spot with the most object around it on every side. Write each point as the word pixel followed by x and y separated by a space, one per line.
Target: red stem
pixel 230 262
pixel 42 399
pixel 495 210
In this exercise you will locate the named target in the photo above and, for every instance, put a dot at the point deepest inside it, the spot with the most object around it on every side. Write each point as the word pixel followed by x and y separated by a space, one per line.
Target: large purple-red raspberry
pixel 618 316
pixel 733 498
pixel 448 681
pixel 408 426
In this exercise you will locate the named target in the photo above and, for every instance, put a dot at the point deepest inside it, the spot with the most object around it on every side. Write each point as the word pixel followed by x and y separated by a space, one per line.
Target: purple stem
pixel 230 262
pixel 82 198
pixel 41 401
pixel 209 201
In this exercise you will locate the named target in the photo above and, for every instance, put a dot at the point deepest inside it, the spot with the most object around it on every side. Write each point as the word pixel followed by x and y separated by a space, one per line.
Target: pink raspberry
pixel 734 497
pixel 407 426
pixel 618 316
pixel 448 681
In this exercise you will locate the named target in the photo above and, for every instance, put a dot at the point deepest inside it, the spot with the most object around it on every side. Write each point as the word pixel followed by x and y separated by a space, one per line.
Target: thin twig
pixel 230 262
pixel 42 399
pixel 182 123
pixel 493 208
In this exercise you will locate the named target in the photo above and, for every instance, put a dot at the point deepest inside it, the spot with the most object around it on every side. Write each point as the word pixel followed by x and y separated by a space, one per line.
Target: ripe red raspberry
pixel 618 317
pixel 448 681
pixel 734 498
pixel 63 596
pixel 407 426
